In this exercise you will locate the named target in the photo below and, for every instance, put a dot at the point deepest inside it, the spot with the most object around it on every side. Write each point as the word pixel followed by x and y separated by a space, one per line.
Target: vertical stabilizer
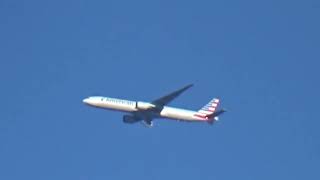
pixel 209 109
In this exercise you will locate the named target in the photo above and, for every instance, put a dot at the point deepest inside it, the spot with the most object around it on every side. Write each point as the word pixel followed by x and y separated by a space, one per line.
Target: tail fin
pixel 209 112
pixel 209 109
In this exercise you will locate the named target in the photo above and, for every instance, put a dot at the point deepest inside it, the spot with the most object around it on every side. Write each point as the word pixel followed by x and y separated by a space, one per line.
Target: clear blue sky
pixel 260 57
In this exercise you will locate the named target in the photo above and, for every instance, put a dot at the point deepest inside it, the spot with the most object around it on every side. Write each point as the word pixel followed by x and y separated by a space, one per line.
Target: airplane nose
pixel 86 100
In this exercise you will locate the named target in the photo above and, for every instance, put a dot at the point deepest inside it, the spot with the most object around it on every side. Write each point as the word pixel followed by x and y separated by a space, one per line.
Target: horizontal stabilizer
pixel 215 116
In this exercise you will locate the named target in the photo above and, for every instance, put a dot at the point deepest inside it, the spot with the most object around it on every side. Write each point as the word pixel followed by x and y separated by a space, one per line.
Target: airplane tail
pixel 209 111
pixel 209 108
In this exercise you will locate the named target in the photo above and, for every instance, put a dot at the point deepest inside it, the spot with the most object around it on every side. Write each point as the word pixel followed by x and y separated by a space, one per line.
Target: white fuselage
pixel 143 107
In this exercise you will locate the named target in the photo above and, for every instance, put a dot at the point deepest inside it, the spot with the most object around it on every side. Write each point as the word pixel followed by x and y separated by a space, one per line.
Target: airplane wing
pixel 168 98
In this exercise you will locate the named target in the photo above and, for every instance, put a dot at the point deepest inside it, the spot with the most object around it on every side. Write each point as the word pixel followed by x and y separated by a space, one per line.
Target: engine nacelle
pixel 144 105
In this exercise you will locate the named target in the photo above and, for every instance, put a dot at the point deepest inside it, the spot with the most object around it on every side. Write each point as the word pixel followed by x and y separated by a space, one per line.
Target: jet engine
pixel 144 105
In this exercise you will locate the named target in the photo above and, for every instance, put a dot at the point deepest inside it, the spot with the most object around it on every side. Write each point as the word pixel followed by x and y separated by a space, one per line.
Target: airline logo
pixel 208 109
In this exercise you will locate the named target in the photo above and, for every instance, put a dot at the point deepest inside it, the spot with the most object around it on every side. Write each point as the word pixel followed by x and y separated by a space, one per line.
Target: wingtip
pixel 187 86
pixel 190 85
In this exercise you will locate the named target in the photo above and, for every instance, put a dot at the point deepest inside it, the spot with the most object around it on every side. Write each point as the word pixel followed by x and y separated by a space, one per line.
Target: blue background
pixel 260 57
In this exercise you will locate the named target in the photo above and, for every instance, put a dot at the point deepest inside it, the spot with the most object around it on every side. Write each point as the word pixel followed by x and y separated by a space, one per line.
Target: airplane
pixel 146 112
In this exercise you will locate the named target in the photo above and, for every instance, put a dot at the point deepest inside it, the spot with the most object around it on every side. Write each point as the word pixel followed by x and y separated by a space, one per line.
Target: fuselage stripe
pixel 199 116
